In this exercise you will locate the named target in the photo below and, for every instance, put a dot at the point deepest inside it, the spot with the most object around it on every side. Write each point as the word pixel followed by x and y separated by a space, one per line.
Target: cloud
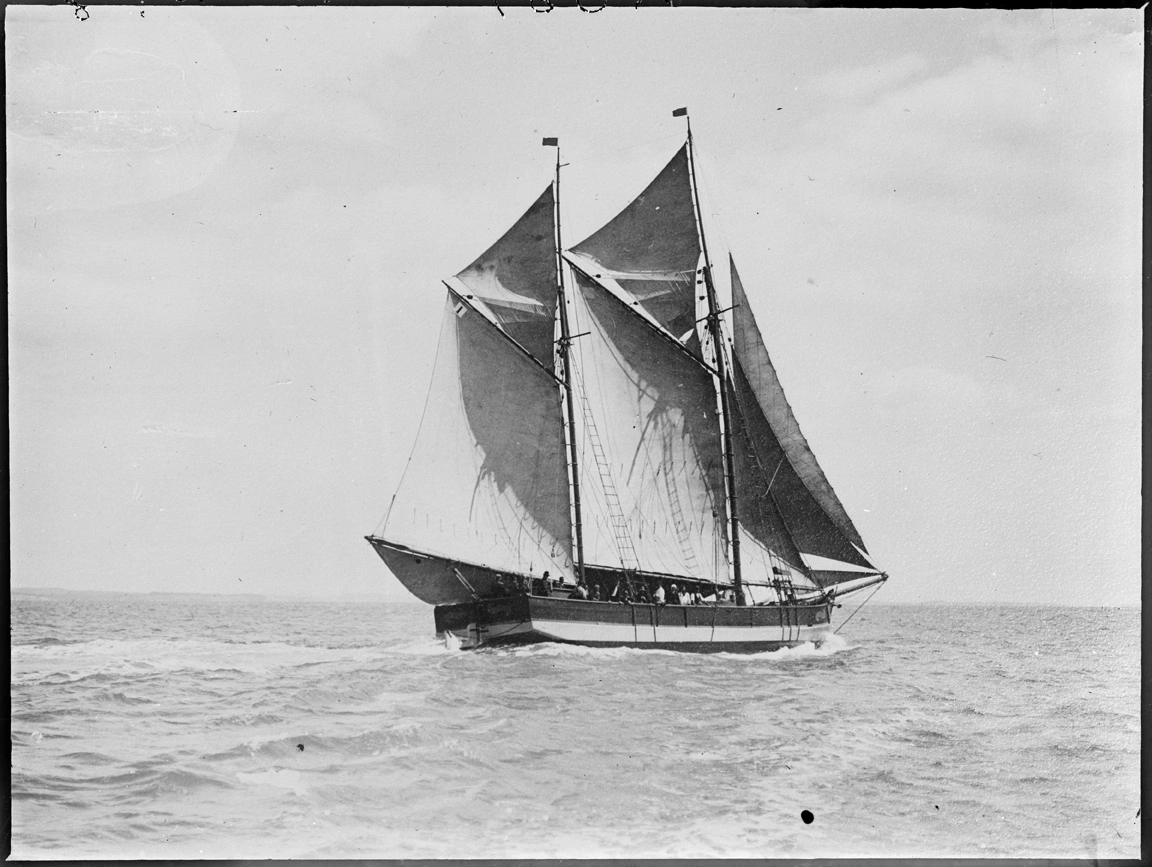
pixel 927 386
pixel 870 80
pixel 114 114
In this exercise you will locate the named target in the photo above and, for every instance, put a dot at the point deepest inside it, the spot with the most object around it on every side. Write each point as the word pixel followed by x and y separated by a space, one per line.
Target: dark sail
pixel 652 248
pixel 516 279
pixel 760 517
pixel 810 509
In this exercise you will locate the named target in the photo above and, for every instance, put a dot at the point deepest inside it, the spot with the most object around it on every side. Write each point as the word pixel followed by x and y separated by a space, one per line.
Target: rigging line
pixel 680 347
pixel 595 155
pixel 419 429
pixel 466 299
pixel 779 464
pixel 858 607
pixel 760 463
pixel 706 194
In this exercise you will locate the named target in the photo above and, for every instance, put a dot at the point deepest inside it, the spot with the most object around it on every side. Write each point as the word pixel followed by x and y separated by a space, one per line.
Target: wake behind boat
pixel 607 456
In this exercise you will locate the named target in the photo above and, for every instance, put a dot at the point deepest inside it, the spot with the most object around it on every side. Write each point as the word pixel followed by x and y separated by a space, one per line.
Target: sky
pixel 227 229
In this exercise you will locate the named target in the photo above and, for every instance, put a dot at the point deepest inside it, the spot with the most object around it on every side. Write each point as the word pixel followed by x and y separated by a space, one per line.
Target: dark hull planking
pixel 433 579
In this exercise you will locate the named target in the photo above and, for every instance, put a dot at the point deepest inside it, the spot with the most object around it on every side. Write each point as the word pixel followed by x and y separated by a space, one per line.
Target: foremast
pixel 714 329
pixel 564 346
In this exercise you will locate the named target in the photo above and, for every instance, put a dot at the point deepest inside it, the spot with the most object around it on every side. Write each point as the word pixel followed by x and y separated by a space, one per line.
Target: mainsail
pixel 487 482
pixel 650 440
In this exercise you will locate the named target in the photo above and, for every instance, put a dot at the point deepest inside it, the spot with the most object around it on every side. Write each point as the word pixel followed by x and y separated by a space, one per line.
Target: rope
pixel 419 430
pixel 858 607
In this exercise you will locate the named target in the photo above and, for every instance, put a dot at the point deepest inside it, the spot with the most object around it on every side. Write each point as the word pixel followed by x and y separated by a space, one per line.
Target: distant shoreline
pixel 264 597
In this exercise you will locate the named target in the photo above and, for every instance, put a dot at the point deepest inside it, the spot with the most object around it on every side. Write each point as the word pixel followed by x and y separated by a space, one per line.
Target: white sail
pixel 651 474
pixel 486 483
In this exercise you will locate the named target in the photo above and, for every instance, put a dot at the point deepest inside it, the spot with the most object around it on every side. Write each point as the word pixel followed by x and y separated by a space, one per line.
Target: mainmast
pixel 721 368
pixel 564 346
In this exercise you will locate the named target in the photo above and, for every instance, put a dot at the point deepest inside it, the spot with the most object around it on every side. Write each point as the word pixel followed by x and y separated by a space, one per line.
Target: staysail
pixel 652 248
pixel 798 496
pixel 516 279
pixel 487 481
pixel 650 443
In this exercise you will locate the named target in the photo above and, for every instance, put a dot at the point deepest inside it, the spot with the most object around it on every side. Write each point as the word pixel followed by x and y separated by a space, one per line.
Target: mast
pixel 566 377
pixel 721 368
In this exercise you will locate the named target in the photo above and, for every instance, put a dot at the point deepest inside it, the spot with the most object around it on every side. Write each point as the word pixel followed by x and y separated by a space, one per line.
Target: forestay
pixel 486 482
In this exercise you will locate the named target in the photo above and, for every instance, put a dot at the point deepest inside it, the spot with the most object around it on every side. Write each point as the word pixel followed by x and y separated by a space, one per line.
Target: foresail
pixel 650 444
pixel 759 515
pixel 516 279
pixel 652 248
pixel 487 480
pixel 808 506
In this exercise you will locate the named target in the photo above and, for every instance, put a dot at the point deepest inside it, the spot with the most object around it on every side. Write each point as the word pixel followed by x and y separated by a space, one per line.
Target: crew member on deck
pixel 545 585
pixel 660 594
pixel 499 588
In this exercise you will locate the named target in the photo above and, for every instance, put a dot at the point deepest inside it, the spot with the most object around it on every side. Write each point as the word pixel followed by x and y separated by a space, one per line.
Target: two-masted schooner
pixel 606 455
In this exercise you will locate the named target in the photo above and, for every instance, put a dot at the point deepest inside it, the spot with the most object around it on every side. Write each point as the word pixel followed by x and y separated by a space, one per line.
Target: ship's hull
pixel 434 579
pixel 523 619
pixel 437 580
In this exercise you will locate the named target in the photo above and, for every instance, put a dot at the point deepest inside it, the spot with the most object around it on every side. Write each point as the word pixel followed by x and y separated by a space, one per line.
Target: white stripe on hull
pixel 626 635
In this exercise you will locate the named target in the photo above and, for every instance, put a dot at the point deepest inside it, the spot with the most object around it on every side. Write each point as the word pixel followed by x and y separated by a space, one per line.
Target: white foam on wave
pixel 556 648
pixel 143 656
pixel 427 647
pixel 830 646
pixel 278 778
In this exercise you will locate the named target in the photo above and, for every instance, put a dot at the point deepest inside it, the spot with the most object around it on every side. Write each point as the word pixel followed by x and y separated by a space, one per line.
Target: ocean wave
pixel 277 778
pixel 411 749
pixel 830 646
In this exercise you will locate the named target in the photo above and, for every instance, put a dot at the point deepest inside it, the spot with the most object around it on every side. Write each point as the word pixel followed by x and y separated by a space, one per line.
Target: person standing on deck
pixel 659 595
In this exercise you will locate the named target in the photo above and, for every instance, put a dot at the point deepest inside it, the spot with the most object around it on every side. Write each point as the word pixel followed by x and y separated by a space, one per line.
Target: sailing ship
pixel 607 456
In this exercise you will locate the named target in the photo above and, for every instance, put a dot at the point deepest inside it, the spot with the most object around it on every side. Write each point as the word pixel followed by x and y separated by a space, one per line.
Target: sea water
pixel 181 727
